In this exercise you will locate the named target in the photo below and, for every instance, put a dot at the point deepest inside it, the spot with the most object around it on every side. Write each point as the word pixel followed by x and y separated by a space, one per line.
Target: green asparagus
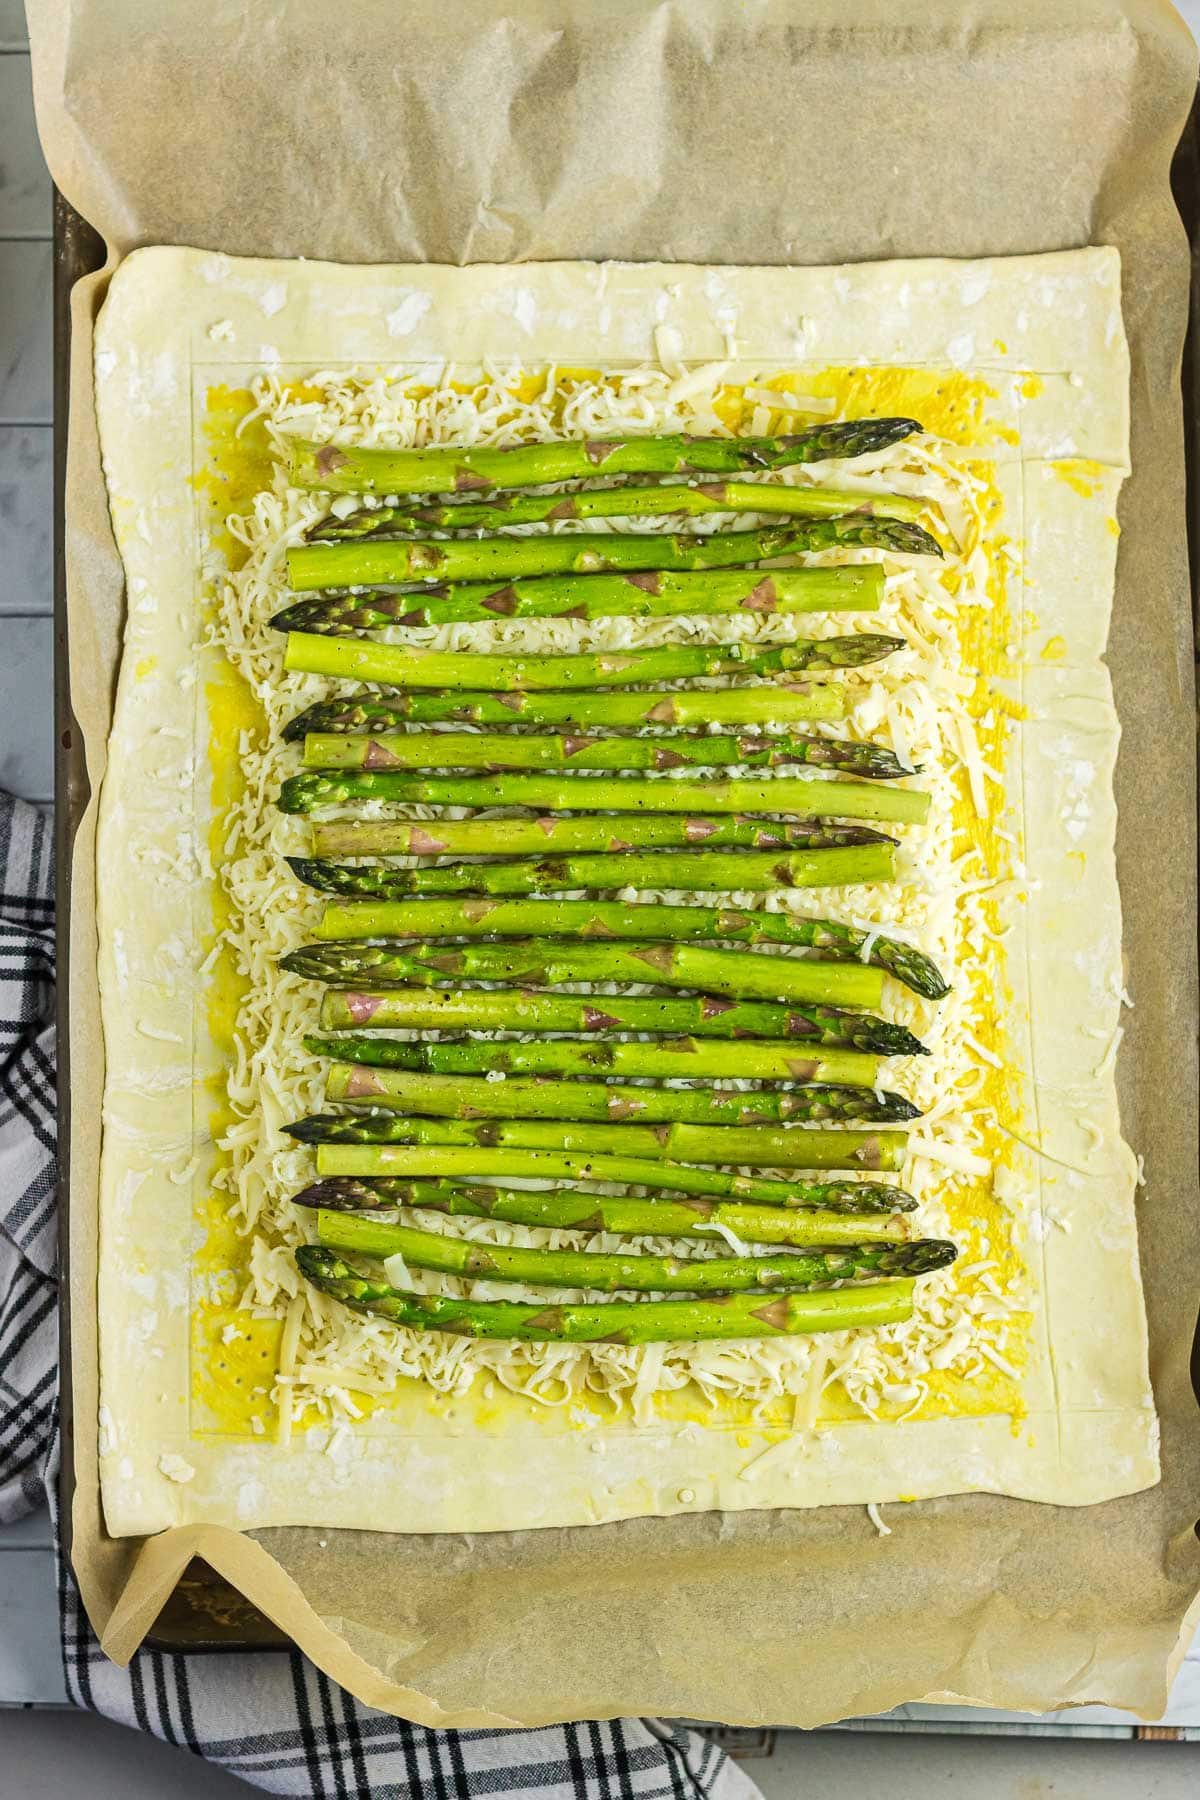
pixel 654 869
pixel 687 1058
pixel 616 919
pixel 769 703
pixel 445 469
pixel 475 1097
pixel 486 1163
pixel 500 750
pixel 501 559
pixel 742 974
pixel 551 834
pixel 613 1321
pixel 663 595
pixel 752 1146
pixel 705 1016
pixel 797 796
pixel 629 500
pixel 608 1273
pixel 397 665
pixel 852 1212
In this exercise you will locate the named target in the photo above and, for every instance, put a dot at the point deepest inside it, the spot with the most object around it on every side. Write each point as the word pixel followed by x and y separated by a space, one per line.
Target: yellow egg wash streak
pixel 269 1355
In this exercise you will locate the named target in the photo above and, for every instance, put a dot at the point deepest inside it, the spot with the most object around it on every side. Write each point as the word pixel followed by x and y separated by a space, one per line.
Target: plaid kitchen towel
pixel 28 1297
pixel 275 1720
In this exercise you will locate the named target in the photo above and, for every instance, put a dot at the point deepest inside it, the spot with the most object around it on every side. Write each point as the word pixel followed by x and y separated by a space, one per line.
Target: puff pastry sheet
pixel 176 319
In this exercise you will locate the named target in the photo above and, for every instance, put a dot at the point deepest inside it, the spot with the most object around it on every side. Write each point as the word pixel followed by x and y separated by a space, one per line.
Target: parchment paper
pixel 776 131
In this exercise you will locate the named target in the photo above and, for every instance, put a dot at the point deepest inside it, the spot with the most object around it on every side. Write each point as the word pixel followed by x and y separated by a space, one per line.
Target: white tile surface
pixel 13 35
pixel 835 1766
pixel 30 1666
pixel 25 392
pixel 50 1755
pixel 26 484
pixel 46 1755
pixel 30 1669
pixel 24 182
pixel 31 1533
pixel 26 708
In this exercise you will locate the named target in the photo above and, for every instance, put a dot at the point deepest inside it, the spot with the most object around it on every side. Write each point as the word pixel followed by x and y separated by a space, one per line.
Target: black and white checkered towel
pixel 275 1720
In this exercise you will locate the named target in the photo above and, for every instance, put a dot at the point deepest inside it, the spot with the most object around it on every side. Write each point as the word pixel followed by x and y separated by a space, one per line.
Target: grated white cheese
pixel 695 381
pixel 396 1270
pixel 668 347
pixel 736 1244
pixel 778 1452
pixel 1110 1055
pixel 808 1404
pixel 175 1468
pixel 876 1518
pixel 781 401
pixel 157 1033
pixel 949 1155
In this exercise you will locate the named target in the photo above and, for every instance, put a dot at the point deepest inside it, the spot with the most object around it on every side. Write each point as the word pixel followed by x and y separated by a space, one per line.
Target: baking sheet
pixel 523 131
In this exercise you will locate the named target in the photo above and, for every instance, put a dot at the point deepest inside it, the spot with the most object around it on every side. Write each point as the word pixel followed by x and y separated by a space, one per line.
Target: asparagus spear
pixel 629 500
pixel 741 974
pixel 396 665
pixel 607 1273
pixel 613 1321
pixel 444 469
pixel 771 703
pixel 857 588
pixel 502 559
pixel 500 750
pixel 654 869
pixel 477 1009
pixel 784 1147
pixel 539 837
pixel 474 1097
pixel 506 1164
pixel 797 796
pixel 486 917
pixel 851 1211
pixel 689 1058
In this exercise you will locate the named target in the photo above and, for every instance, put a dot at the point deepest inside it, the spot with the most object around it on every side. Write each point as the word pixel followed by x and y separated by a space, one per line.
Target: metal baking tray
pixel 205 1613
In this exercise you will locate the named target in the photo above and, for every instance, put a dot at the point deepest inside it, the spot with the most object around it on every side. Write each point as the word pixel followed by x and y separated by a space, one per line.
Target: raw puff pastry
pixel 1090 1432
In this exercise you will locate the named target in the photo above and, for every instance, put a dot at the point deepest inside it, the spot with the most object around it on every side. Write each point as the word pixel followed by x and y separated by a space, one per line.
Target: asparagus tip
pixel 317 1264
pixel 925 1255
pixel 914 540
pixel 291 618
pixel 308 870
pixel 313 1129
pixel 297 729
pixel 894 1107
pixel 338 1194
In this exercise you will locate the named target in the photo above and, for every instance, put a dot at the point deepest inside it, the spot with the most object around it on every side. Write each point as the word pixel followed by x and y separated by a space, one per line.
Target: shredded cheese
pixel 396 1270
pixel 917 702
pixel 175 1468
pixel 808 1404
pixel 736 1244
